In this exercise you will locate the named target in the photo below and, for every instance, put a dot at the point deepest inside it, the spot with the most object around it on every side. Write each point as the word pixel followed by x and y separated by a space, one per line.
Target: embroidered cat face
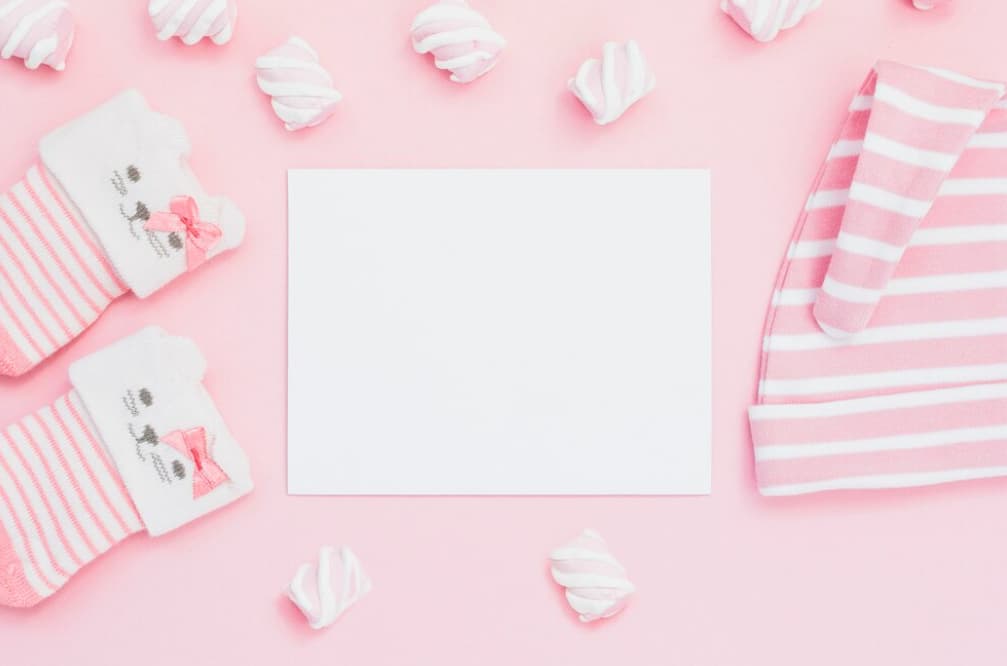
pixel 136 213
pixel 147 421
pixel 123 166
pixel 160 427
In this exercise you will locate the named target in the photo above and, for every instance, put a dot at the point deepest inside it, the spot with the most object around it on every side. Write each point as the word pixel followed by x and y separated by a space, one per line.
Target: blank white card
pixel 499 332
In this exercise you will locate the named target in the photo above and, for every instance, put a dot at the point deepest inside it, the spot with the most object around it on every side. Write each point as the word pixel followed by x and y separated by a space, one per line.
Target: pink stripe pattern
pixel 57 487
pixel 55 280
pixel 884 357
pixel 895 181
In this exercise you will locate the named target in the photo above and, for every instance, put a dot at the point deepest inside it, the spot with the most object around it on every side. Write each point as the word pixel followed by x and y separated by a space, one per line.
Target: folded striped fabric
pixel 885 351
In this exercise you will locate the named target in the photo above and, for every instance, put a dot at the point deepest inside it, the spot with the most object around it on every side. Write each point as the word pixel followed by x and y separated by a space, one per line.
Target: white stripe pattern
pixel 931 284
pixel 50 528
pixel 794 297
pixel 868 247
pixel 989 140
pixel 875 335
pixel 848 292
pixel 90 491
pixel 54 278
pixel 19 511
pixel 884 380
pixel 845 148
pixel 903 442
pixel 61 502
pixel 950 187
pixel 890 201
pixel 827 199
pixel 19 327
pixel 78 500
pixel 861 103
pixel 50 247
pixel 955 77
pixel 980 140
pixel 10 526
pixel 78 236
pixel 30 278
pixel 24 286
pixel 811 249
pixel 973 186
pixel 908 104
pixel 879 403
pixel 866 103
pixel 901 152
pixel 934 236
pixel 34 465
pixel 120 504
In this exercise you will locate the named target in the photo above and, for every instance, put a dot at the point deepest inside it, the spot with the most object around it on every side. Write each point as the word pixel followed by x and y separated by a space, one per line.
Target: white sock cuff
pixel 176 456
pixel 121 163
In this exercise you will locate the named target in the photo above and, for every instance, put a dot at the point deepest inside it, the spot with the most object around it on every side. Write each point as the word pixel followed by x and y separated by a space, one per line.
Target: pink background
pixel 915 576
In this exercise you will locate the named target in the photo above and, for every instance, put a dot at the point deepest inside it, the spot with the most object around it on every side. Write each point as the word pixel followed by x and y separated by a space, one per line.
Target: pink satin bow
pixel 200 236
pixel 192 443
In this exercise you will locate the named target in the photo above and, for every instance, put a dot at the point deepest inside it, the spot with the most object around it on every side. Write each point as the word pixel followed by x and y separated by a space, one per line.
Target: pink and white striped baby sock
pixel 136 445
pixel 112 207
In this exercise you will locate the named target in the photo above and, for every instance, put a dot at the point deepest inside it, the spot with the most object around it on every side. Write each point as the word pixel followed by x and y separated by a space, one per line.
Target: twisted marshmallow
pixel 610 86
pixel 321 598
pixel 927 4
pixel 39 32
pixel 192 20
pixel 301 89
pixel 460 38
pixel 595 582
pixel 764 19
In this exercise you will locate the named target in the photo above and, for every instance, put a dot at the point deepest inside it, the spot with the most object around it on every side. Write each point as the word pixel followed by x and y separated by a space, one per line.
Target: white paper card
pixel 499 332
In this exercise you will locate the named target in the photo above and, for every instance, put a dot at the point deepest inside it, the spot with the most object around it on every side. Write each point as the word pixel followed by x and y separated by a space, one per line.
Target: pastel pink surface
pixel 900 577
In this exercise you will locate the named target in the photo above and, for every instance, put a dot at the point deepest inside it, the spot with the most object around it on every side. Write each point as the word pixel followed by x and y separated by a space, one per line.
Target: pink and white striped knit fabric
pixel 62 501
pixel 885 351
pixel 55 279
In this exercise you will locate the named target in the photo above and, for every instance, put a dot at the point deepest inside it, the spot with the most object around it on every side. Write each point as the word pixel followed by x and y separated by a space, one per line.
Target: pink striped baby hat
pixel 884 357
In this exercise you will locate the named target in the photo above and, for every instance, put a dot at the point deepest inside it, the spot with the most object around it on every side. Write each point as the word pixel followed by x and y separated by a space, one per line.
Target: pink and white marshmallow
pixel 194 20
pixel 40 32
pixel 928 4
pixel 302 91
pixel 461 40
pixel 764 19
pixel 608 87
pixel 323 591
pixel 596 584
